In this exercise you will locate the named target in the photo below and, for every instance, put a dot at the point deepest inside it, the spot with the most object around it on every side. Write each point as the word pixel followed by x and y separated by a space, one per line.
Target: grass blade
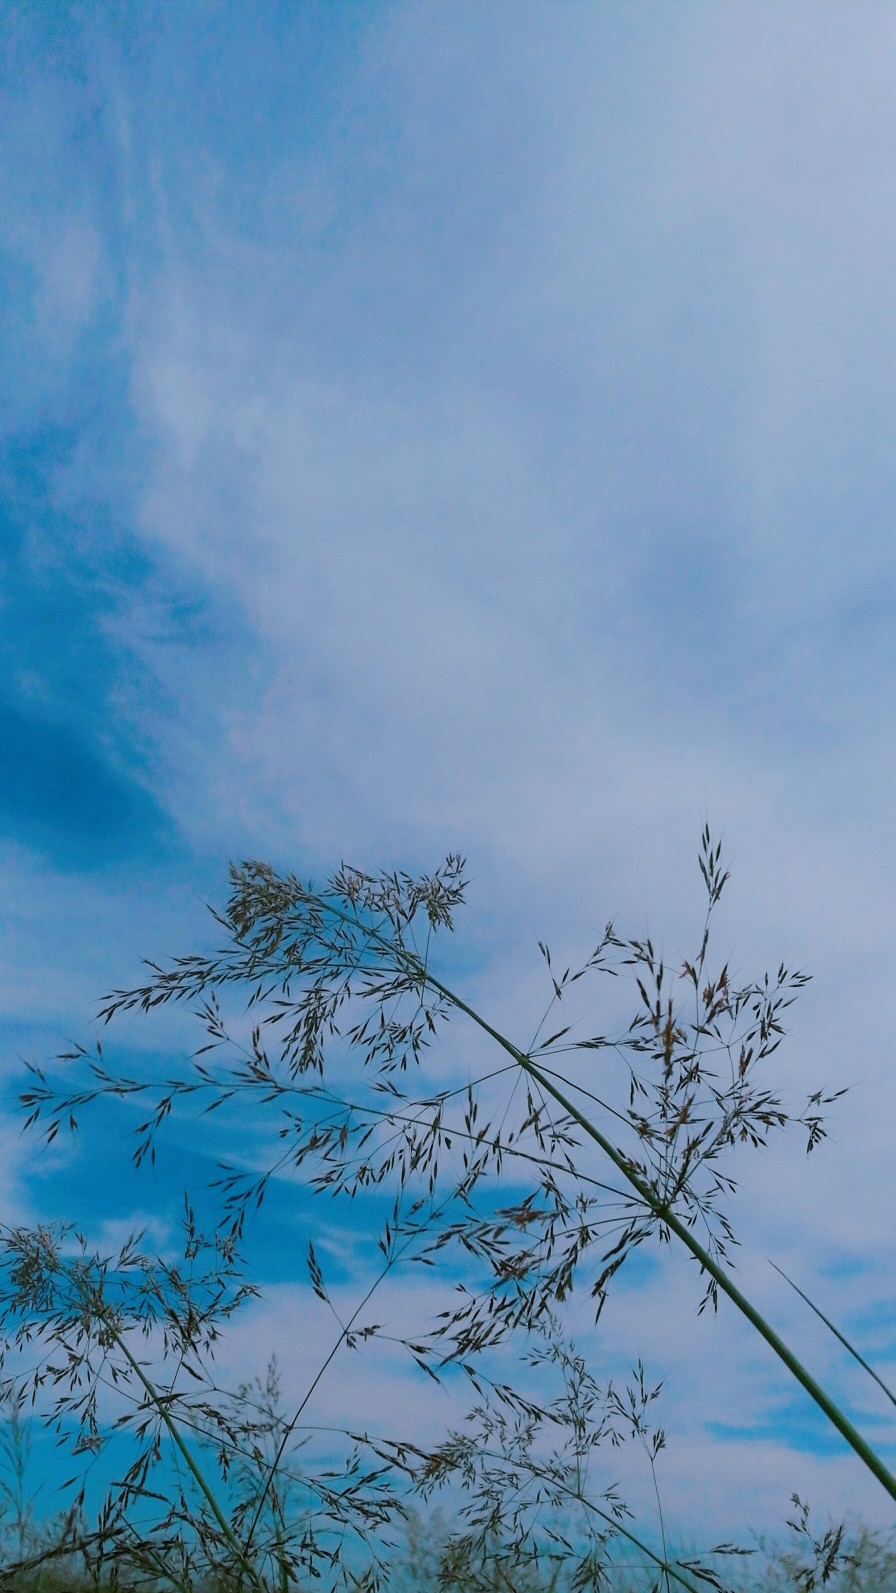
pixel 838 1335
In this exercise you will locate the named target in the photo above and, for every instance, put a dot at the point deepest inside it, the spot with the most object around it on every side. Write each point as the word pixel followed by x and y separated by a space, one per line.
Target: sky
pixel 455 427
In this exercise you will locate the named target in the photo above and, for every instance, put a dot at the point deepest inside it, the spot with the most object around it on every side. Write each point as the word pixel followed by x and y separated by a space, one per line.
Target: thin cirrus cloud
pixel 520 522
pixel 427 428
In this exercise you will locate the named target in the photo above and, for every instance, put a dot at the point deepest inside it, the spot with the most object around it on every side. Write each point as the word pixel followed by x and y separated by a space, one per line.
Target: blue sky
pixel 464 427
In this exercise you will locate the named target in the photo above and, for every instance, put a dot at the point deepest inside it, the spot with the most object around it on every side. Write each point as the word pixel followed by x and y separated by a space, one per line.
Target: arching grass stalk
pixel 352 945
pixel 650 1198
pixel 794 1365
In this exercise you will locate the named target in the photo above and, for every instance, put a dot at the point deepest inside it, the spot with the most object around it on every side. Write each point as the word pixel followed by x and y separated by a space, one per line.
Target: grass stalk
pixel 838 1335
pixel 801 1373
pixel 189 1459
pixel 667 1566
pixel 794 1365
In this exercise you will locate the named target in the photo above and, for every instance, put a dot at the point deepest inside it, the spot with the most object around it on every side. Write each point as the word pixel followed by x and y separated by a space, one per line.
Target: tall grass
pixel 793 1564
pixel 349 969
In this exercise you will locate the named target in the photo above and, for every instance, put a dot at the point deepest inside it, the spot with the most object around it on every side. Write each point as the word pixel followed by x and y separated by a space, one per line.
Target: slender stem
pixel 193 1466
pixel 838 1335
pixel 795 1366
pixel 148 1551
pixel 835 1415
pixel 658 1560
pixel 291 1425
pixel 832 1411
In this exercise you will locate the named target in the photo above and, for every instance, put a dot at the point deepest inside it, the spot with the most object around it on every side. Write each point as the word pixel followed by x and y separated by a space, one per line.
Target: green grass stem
pixel 838 1335
pixel 813 1388
pixel 189 1459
